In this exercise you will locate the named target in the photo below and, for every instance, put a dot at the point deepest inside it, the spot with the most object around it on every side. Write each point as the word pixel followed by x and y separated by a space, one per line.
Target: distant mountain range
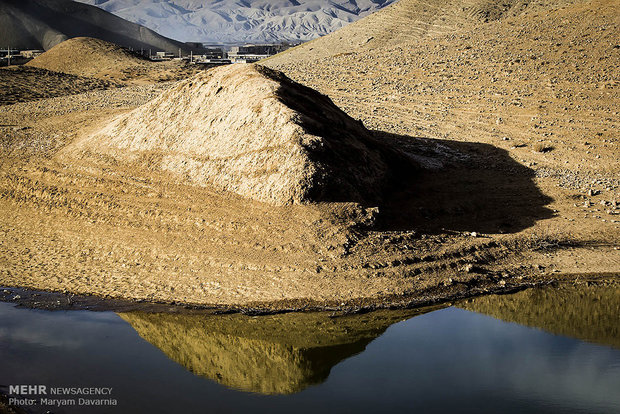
pixel 42 24
pixel 241 21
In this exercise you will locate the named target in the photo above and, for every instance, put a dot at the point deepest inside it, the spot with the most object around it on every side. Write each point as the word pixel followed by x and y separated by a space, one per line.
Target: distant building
pixel 195 45
pixel 211 53
pixel 250 53
pixel 12 56
pixel 246 58
pixel 257 50
pixel 254 53
pixel 164 56
pixel 213 62
pixel 31 54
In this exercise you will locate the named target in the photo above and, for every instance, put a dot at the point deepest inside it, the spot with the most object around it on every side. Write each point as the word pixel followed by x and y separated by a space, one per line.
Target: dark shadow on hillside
pixel 70 19
pixel 421 184
pixel 459 186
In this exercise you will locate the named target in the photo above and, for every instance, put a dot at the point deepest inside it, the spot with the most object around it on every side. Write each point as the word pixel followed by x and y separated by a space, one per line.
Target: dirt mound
pixel 249 130
pixel 85 56
pixel 95 58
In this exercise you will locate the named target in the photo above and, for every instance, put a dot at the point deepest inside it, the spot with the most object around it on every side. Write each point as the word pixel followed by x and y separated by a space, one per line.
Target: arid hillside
pixel 506 115
pixel 404 22
pixel 537 81
pixel 541 77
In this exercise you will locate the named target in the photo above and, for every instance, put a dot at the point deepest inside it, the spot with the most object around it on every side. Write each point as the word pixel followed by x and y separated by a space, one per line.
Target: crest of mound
pixel 85 56
pixel 249 130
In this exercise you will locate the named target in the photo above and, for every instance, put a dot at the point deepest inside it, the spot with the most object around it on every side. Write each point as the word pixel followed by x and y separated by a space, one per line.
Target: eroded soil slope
pixel 512 120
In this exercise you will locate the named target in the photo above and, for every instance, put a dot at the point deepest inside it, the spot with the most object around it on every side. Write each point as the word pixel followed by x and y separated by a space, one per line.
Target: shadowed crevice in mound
pixel 252 131
pixel 356 165
pixel 461 187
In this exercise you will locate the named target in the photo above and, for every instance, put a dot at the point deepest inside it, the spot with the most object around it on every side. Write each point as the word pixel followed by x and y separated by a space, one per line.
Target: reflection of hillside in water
pixel 274 354
pixel 588 313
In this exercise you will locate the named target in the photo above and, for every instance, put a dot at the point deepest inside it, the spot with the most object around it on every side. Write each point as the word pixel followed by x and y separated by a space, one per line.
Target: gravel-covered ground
pixel 514 120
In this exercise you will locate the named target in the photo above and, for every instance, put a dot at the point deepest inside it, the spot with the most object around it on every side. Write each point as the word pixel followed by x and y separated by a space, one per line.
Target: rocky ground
pixel 136 234
pixel 23 84
pixel 515 125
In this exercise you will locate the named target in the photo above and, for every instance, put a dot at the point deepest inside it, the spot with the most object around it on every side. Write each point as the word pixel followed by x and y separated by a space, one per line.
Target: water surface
pixel 541 355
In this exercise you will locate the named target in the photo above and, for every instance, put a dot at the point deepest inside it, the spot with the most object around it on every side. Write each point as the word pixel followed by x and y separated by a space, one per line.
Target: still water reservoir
pixel 536 351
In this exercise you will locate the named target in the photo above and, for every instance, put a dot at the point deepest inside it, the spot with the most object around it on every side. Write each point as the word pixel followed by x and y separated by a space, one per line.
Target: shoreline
pixel 63 301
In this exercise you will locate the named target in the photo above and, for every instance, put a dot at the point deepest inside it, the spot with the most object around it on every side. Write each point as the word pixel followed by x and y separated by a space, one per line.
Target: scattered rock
pixel 468 268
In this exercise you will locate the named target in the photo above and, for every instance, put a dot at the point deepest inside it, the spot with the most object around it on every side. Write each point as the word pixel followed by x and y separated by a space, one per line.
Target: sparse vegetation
pixel 542 147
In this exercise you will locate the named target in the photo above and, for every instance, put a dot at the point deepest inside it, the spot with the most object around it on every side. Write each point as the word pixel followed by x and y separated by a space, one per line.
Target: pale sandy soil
pixel 518 124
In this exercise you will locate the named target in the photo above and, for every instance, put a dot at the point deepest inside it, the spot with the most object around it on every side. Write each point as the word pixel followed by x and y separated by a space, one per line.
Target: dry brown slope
pixel 540 85
pixel 400 23
pixel 547 73
pixel 90 57
pixel 118 231
pixel 488 96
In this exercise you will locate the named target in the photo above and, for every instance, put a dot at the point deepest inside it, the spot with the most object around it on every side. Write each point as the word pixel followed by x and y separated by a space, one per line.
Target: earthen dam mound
pixel 249 130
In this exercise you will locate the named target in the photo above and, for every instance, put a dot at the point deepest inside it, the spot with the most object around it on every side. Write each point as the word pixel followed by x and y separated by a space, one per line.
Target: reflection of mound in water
pixel 249 130
pixel 587 313
pixel 276 354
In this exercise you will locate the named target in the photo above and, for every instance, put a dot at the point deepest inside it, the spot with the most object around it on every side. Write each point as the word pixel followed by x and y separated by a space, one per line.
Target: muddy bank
pixel 49 300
